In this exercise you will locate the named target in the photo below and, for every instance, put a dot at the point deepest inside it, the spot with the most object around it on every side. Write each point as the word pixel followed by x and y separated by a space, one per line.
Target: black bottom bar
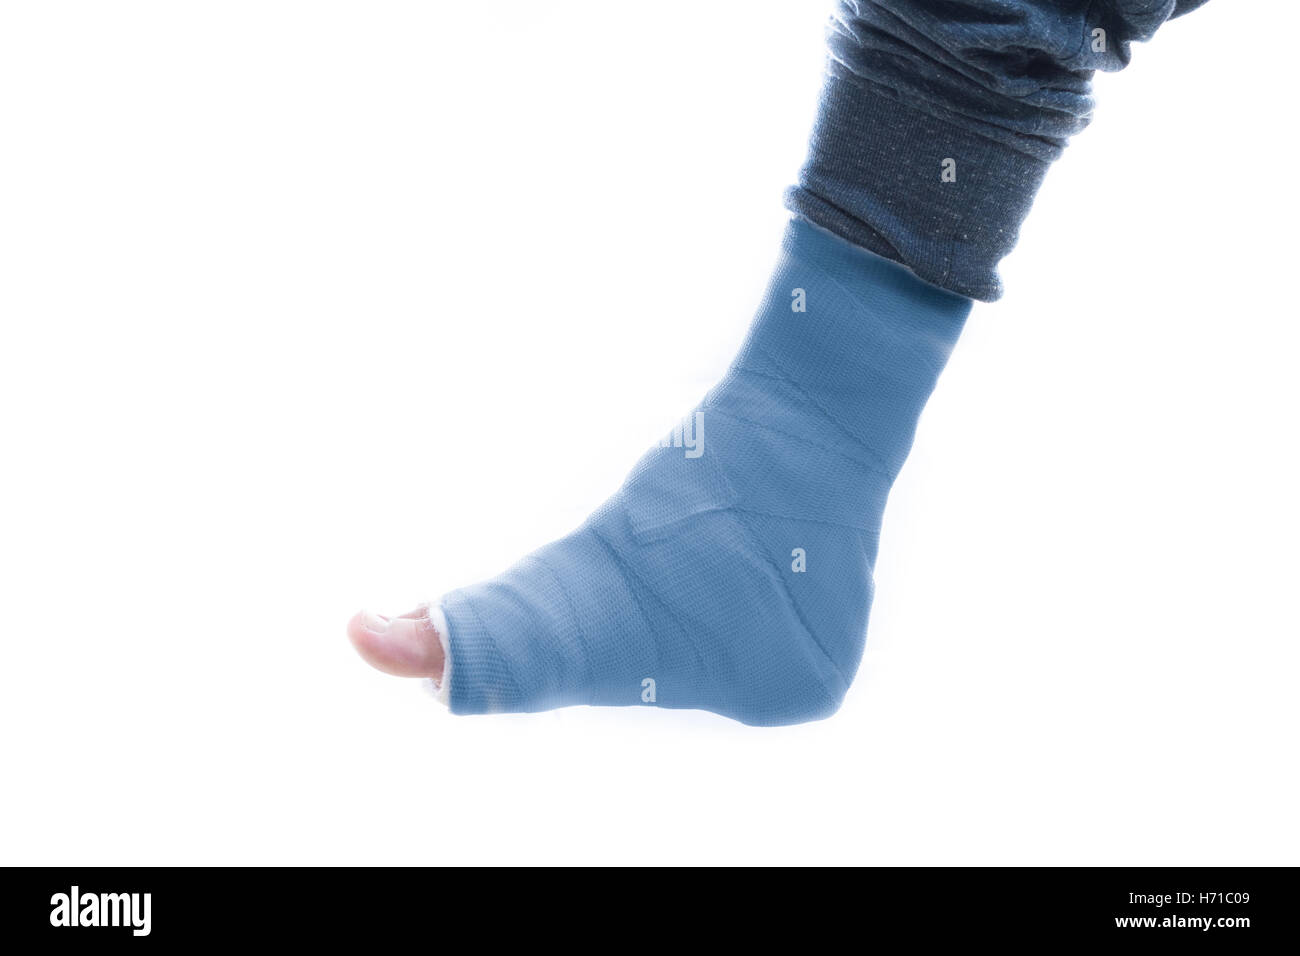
pixel 656 910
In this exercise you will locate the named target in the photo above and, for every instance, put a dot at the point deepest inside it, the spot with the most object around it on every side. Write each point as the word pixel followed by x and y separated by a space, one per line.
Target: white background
pixel 310 306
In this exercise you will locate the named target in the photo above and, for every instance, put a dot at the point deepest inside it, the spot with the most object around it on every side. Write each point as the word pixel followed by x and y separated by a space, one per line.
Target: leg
pixel 732 571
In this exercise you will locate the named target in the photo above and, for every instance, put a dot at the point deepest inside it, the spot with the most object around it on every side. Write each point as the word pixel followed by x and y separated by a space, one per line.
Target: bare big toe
pixel 406 646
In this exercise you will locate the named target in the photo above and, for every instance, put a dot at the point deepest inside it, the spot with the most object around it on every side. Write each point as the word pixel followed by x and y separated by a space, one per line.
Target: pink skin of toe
pixel 410 645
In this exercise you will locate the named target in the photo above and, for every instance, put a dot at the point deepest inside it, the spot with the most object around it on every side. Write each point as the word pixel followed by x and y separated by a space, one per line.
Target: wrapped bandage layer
pixel 732 572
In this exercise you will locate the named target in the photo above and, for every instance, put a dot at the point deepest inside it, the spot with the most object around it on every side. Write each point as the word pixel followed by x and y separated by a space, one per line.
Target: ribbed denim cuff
pixel 941 199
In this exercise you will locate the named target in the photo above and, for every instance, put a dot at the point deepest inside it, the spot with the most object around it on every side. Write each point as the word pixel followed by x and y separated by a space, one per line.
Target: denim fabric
pixel 939 120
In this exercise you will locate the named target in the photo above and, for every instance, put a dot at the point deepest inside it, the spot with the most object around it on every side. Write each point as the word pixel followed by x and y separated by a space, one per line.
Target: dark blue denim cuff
pixel 937 197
